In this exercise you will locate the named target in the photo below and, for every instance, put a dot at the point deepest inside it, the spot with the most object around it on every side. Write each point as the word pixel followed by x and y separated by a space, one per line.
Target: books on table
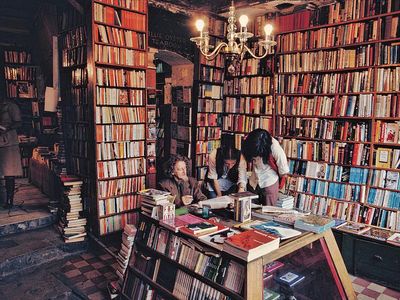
pixel 202 228
pixel 314 223
pixel 180 221
pixel 355 228
pixel 394 239
pixel 283 232
pixel 251 244
pixel 217 240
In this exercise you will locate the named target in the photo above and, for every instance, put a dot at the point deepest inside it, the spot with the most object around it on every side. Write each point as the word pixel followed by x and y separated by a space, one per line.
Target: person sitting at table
pixel 185 189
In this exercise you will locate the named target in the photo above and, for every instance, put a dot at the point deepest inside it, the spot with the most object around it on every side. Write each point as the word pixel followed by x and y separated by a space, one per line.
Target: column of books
pixel 209 100
pixel 119 44
pixel 337 110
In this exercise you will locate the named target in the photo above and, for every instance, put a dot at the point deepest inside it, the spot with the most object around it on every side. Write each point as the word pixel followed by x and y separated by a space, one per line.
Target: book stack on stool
pixel 72 224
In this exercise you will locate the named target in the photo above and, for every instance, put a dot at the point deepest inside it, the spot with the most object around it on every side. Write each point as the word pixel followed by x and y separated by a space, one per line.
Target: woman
pixel 226 172
pixel 10 158
pixel 269 163
pixel 185 189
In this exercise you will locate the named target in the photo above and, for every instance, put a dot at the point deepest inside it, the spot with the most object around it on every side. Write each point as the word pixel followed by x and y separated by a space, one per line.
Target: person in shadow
pixel 10 157
pixel 185 189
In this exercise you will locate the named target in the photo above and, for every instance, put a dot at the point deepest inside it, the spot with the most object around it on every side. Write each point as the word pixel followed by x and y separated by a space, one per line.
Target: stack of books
pixel 285 201
pixel 150 199
pixel 128 237
pixel 242 205
pixel 72 224
pixel 314 223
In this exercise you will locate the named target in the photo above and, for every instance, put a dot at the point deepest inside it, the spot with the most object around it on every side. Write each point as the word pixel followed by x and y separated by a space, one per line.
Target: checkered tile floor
pixel 367 290
pixel 90 272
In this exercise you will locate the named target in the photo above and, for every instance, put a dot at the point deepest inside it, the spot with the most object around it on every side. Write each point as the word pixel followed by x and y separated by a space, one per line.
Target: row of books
pixel 325 171
pixel 350 211
pixel 201 159
pixel 244 123
pixel 208 119
pixel 138 5
pixel 335 36
pixel 208 133
pixel 388 80
pixel 341 106
pixel 117 96
pixel 73 57
pixel 17 57
pixel 217 62
pixel 207 146
pixel 119 56
pixel 387 158
pixel 181 94
pixel 209 105
pixel 121 78
pixel 120 37
pixel 117 222
pixel 109 115
pixel 387 106
pixel 21 90
pixel 118 204
pixel 210 91
pixel 342 191
pixel 181 132
pixel 211 74
pixel 390 27
pixel 386 132
pixel 389 54
pixel 119 150
pixel 330 152
pixel 247 85
pixel 330 83
pixel 125 132
pixel 371 232
pixel 327 60
pixel 79 77
pixel 182 115
pixel 74 38
pixel 252 66
pixel 116 168
pixel 114 188
pixel 249 105
pixel 384 179
pixel 124 18
pixel 20 73
pixel 384 198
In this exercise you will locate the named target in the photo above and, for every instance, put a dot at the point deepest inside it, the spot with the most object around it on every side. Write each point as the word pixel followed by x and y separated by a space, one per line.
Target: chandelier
pixel 236 45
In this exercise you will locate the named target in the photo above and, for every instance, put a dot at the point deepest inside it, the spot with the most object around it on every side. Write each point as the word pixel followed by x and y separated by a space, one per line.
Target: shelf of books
pixel 20 85
pixel 208 95
pixel 119 53
pixel 190 258
pixel 337 110
pixel 248 97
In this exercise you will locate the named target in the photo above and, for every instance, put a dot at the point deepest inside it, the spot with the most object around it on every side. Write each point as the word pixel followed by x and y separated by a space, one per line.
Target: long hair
pixel 257 143
pixel 173 159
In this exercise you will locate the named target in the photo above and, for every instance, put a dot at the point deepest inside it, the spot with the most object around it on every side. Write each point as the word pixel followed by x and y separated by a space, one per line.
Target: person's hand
pixel 187 199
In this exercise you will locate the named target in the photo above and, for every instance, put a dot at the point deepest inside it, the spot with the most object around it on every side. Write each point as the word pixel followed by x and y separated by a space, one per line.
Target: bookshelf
pixel 208 99
pixel 20 85
pixel 248 97
pixel 118 50
pixel 175 266
pixel 336 110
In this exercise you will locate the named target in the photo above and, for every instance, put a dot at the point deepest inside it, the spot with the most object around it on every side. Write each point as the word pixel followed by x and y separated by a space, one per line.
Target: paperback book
pixel 281 231
pixel 314 223
pixel 290 279
pixel 355 228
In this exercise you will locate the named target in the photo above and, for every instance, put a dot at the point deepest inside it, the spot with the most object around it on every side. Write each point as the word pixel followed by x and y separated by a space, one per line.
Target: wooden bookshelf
pixel 336 102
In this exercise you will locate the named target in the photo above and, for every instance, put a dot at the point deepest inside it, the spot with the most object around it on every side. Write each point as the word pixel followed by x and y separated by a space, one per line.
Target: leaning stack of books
pixel 150 199
pixel 285 201
pixel 72 224
pixel 128 237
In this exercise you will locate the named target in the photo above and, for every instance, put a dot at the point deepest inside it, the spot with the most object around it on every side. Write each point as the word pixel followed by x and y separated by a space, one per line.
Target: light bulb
pixel 268 29
pixel 243 20
pixel 200 25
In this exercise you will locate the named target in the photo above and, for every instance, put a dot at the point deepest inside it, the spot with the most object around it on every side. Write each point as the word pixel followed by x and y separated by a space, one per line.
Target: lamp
pixel 236 45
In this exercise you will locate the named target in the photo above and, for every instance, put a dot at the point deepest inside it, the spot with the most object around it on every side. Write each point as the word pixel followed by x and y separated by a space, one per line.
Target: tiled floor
pixel 367 290
pixel 90 272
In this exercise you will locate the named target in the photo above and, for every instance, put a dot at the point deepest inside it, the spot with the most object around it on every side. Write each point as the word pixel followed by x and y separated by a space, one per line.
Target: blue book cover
pixel 314 223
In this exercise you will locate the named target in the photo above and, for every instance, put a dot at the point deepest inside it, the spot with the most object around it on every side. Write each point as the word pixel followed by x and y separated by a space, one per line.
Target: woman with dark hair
pixel 226 171
pixel 185 189
pixel 269 163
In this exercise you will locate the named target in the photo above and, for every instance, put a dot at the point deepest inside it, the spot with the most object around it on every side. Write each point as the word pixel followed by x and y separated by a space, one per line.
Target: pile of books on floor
pixel 151 199
pixel 128 237
pixel 285 201
pixel 72 223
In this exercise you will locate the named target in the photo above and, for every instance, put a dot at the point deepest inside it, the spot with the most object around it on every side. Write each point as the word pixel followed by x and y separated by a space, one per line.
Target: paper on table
pixel 218 202
pixel 274 209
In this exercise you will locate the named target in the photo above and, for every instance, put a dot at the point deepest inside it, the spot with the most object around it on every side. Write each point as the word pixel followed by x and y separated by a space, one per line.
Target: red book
pixel 205 227
pixel 251 244
pixel 181 221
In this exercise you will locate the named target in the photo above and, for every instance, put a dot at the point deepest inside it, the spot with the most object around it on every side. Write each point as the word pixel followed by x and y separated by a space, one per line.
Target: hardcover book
pixel 273 266
pixel 251 244
pixel 180 221
pixel 277 229
pixel 203 228
pixel 290 279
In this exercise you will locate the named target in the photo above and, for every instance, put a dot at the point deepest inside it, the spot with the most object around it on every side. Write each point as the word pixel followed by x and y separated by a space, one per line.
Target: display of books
pixel 273 266
pixel 378 234
pixel 283 232
pixel 217 240
pixel 355 228
pixel 251 244
pixel 314 223
pixel 270 295
pixel 202 228
pixel 290 278
pixel 180 221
